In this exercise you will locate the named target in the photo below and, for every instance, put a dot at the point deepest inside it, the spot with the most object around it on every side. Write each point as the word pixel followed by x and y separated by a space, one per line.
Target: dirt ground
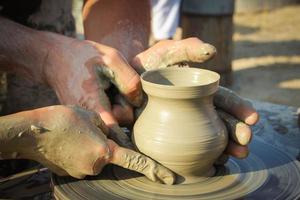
pixel 266 64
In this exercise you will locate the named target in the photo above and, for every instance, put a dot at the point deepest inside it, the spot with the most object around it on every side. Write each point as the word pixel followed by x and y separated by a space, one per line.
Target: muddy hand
pixel 238 115
pixel 81 71
pixel 71 140
pixel 170 52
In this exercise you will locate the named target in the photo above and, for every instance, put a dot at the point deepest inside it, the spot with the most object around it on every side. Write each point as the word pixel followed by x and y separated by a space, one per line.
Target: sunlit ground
pixel 267 56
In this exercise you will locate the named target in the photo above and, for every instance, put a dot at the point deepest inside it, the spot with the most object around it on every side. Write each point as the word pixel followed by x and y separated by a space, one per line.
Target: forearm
pixel 17 140
pixel 122 24
pixel 22 50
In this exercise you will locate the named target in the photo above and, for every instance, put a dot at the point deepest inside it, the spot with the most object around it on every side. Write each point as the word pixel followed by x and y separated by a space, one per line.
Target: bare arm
pixel 16 139
pixel 22 50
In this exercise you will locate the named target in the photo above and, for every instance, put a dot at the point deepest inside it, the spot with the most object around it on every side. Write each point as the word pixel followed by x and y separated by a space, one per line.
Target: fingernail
pixel 243 133
pixel 252 118
pixel 208 50
pixel 169 180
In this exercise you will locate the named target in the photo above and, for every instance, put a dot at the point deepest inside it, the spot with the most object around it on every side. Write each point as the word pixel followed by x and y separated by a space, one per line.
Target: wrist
pixel 17 140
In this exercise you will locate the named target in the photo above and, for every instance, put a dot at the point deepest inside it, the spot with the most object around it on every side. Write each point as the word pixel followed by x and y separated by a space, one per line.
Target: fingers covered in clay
pixel 109 124
pixel 87 76
pixel 121 74
pixel 235 105
pixel 238 131
pixel 240 135
pixel 170 52
pixel 132 160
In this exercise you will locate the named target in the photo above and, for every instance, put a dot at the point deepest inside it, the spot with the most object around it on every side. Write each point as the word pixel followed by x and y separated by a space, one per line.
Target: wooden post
pixel 212 22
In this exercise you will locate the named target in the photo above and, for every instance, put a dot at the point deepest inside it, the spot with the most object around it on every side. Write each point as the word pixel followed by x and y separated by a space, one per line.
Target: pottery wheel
pixel 267 173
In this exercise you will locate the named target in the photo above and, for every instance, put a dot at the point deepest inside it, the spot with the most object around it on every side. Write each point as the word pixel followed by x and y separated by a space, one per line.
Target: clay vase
pixel 179 126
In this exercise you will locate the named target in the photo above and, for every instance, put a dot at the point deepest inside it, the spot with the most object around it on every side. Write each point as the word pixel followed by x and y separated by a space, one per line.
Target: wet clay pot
pixel 179 126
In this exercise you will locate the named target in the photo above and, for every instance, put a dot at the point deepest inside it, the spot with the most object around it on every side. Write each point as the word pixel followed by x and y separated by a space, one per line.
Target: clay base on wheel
pixel 267 173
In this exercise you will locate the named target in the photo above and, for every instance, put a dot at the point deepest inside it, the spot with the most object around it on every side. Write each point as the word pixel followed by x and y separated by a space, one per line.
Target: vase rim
pixel 175 81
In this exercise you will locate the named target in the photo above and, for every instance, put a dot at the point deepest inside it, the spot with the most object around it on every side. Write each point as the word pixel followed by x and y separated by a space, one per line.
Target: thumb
pixel 132 160
pixel 169 52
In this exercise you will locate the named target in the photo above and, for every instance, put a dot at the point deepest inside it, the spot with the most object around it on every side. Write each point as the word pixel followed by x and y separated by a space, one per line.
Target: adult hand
pixel 72 141
pixel 237 113
pixel 80 72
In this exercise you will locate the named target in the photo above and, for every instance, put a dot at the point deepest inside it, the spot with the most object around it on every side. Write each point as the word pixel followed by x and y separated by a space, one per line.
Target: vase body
pixel 179 126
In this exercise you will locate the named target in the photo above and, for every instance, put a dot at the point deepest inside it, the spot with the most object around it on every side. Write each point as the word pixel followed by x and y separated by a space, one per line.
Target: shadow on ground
pixel 248 49
pixel 245 30
pixel 277 83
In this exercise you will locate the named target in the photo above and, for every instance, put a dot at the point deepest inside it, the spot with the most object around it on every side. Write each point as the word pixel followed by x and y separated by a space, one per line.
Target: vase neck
pixel 203 100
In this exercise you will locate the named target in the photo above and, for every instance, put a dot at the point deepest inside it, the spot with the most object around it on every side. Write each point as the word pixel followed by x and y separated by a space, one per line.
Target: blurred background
pixel 258 42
